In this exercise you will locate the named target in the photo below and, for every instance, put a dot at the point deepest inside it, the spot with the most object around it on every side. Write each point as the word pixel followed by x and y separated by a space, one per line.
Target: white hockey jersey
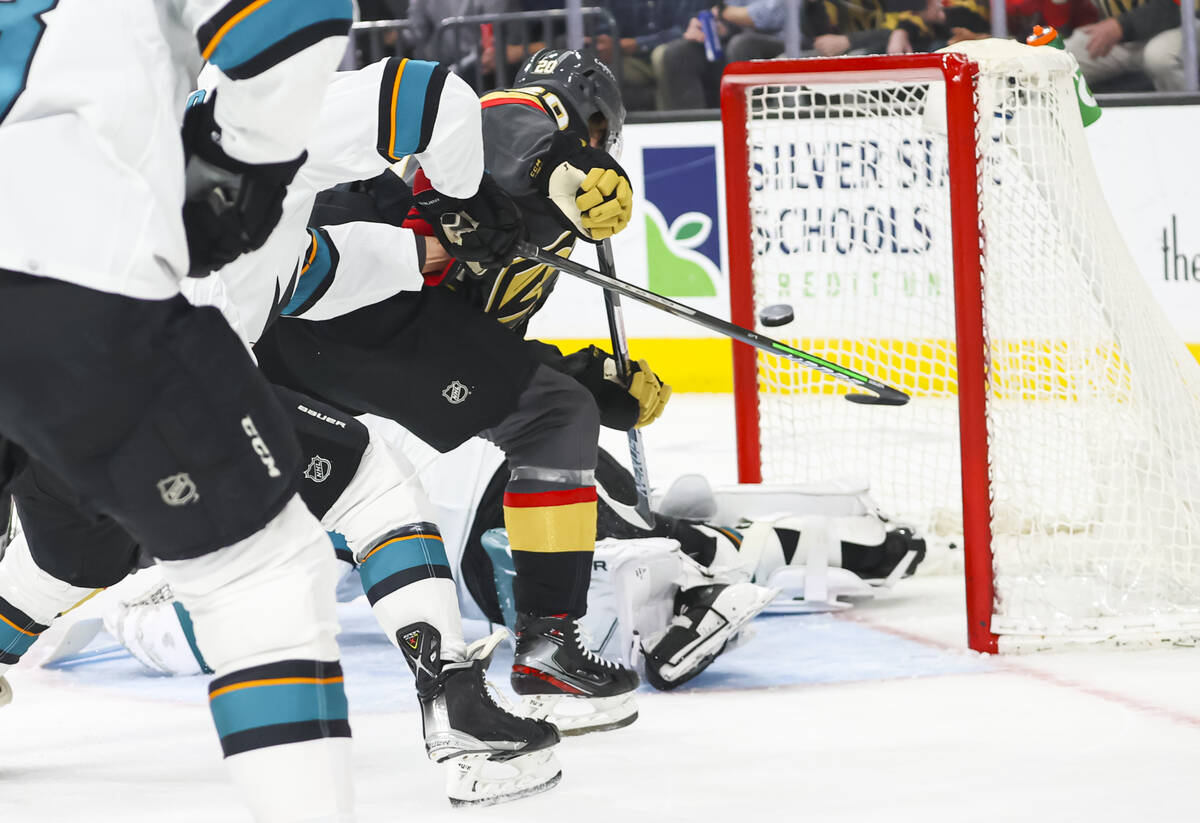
pixel 371 118
pixel 91 102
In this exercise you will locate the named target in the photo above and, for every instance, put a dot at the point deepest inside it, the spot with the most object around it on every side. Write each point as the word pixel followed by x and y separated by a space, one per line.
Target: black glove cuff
pixel 201 138
pixel 618 408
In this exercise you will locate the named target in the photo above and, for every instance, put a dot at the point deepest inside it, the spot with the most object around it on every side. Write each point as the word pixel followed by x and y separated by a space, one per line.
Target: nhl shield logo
pixel 178 490
pixel 319 469
pixel 456 392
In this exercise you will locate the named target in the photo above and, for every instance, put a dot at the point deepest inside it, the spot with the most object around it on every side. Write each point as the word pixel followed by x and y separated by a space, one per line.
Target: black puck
pixel 778 314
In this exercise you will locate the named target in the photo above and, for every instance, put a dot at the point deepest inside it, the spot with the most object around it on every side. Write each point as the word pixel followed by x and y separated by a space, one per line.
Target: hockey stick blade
pixel 885 395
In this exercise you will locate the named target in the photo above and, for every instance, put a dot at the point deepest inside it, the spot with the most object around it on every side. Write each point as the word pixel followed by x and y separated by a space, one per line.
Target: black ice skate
pixel 707 619
pixel 560 680
pixel 492 755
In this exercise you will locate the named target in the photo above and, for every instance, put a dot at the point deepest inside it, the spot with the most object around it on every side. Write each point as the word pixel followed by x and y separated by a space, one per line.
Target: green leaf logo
pixel 675 269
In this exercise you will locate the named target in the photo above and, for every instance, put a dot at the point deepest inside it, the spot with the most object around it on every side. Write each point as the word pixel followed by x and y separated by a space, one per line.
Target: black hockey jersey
pixel 518 128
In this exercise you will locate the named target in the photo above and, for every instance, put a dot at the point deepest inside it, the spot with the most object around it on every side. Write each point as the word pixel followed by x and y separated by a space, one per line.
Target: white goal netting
pixel 1093 403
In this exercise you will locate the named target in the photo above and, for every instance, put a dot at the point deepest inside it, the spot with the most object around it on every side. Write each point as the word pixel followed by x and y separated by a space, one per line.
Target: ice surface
pixel 880 714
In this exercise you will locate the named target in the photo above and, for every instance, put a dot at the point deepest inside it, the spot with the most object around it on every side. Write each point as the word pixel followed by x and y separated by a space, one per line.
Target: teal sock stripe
pixel 12 642
pixel 273 704
pixel 410 554
pixel 18 631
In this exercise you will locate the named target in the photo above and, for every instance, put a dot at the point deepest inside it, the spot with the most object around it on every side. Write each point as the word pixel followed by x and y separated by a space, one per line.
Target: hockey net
pixel 936 223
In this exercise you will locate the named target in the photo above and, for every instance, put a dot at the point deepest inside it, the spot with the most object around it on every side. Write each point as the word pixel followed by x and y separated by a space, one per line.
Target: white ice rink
pixel 879 715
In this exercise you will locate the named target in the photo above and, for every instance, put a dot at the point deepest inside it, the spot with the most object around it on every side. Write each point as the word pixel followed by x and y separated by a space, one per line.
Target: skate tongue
pixel 484 648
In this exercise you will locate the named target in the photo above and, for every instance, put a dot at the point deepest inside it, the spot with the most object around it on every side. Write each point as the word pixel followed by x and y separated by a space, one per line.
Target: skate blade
pixel 581 715
pixel 476 780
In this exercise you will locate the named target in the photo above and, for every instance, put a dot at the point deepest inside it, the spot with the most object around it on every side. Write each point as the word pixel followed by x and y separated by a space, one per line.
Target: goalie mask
pixel 587 86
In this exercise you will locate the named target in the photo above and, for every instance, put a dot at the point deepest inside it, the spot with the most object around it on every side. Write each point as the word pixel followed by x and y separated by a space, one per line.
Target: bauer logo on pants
pixel 683 245
pixel 178 490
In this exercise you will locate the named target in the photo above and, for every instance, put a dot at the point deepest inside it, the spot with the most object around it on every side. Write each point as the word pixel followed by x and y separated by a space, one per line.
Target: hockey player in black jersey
pixel 449 362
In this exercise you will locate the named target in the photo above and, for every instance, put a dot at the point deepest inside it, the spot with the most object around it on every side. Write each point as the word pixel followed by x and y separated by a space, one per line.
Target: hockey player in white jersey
pixel 144 409
pixel 362 494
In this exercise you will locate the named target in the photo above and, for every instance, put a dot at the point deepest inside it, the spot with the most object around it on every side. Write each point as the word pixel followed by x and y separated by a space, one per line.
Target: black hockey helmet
pixel 586 84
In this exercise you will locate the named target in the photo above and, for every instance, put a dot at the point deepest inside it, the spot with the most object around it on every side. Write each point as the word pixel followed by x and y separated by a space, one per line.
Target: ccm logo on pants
pixel 260 447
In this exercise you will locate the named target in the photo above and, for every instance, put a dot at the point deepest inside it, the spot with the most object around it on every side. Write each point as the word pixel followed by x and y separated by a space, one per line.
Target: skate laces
pixel 589 655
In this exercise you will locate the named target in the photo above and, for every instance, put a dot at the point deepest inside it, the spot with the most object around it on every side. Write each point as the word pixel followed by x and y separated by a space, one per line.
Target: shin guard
pixel 408 580
pixel 552 530
pixel 263 611
pixel 30 599
pixel 380 519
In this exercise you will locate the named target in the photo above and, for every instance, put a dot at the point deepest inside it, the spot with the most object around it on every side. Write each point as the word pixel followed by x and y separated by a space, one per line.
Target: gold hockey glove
pixel 650 392
pixel 622 407
pixel 590 188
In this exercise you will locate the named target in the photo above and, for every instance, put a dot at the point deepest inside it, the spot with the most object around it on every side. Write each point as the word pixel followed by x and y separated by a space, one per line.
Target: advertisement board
pixel 676 244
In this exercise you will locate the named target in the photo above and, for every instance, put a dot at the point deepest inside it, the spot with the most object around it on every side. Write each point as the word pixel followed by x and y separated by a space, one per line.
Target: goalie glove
pixel 587 186
pixel 231 207
pixel 622 406
pixel 484 228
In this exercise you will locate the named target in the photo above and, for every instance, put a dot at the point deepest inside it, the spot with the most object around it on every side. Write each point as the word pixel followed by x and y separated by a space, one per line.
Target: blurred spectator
pixel 685 77
pixel 1064 15
pixel 1144 36
pixel 457 47
pixel 382 9
pixel 895 27
pixel 643 25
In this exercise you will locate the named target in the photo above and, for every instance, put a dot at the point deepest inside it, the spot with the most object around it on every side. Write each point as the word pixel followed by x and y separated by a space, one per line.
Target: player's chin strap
pixel 883 394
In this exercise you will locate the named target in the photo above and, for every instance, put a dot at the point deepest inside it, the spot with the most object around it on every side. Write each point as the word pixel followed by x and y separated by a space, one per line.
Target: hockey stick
pixel 616 330
pixel 884 395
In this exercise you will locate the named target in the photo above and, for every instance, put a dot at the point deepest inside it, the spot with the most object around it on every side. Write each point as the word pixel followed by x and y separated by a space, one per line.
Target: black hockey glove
pixel 484 228
pixel 623 405
pixel 589 187
pixel 231 207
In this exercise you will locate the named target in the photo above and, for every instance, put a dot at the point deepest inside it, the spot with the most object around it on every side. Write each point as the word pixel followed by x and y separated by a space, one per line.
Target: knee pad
pixel 264 599
pixel 33 592
pixel 556 424
pixel 383 495
pixel 81 549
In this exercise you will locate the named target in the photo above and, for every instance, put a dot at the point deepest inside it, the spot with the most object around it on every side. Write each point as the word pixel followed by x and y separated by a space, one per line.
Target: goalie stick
pixel 616 330
pixel 884 395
